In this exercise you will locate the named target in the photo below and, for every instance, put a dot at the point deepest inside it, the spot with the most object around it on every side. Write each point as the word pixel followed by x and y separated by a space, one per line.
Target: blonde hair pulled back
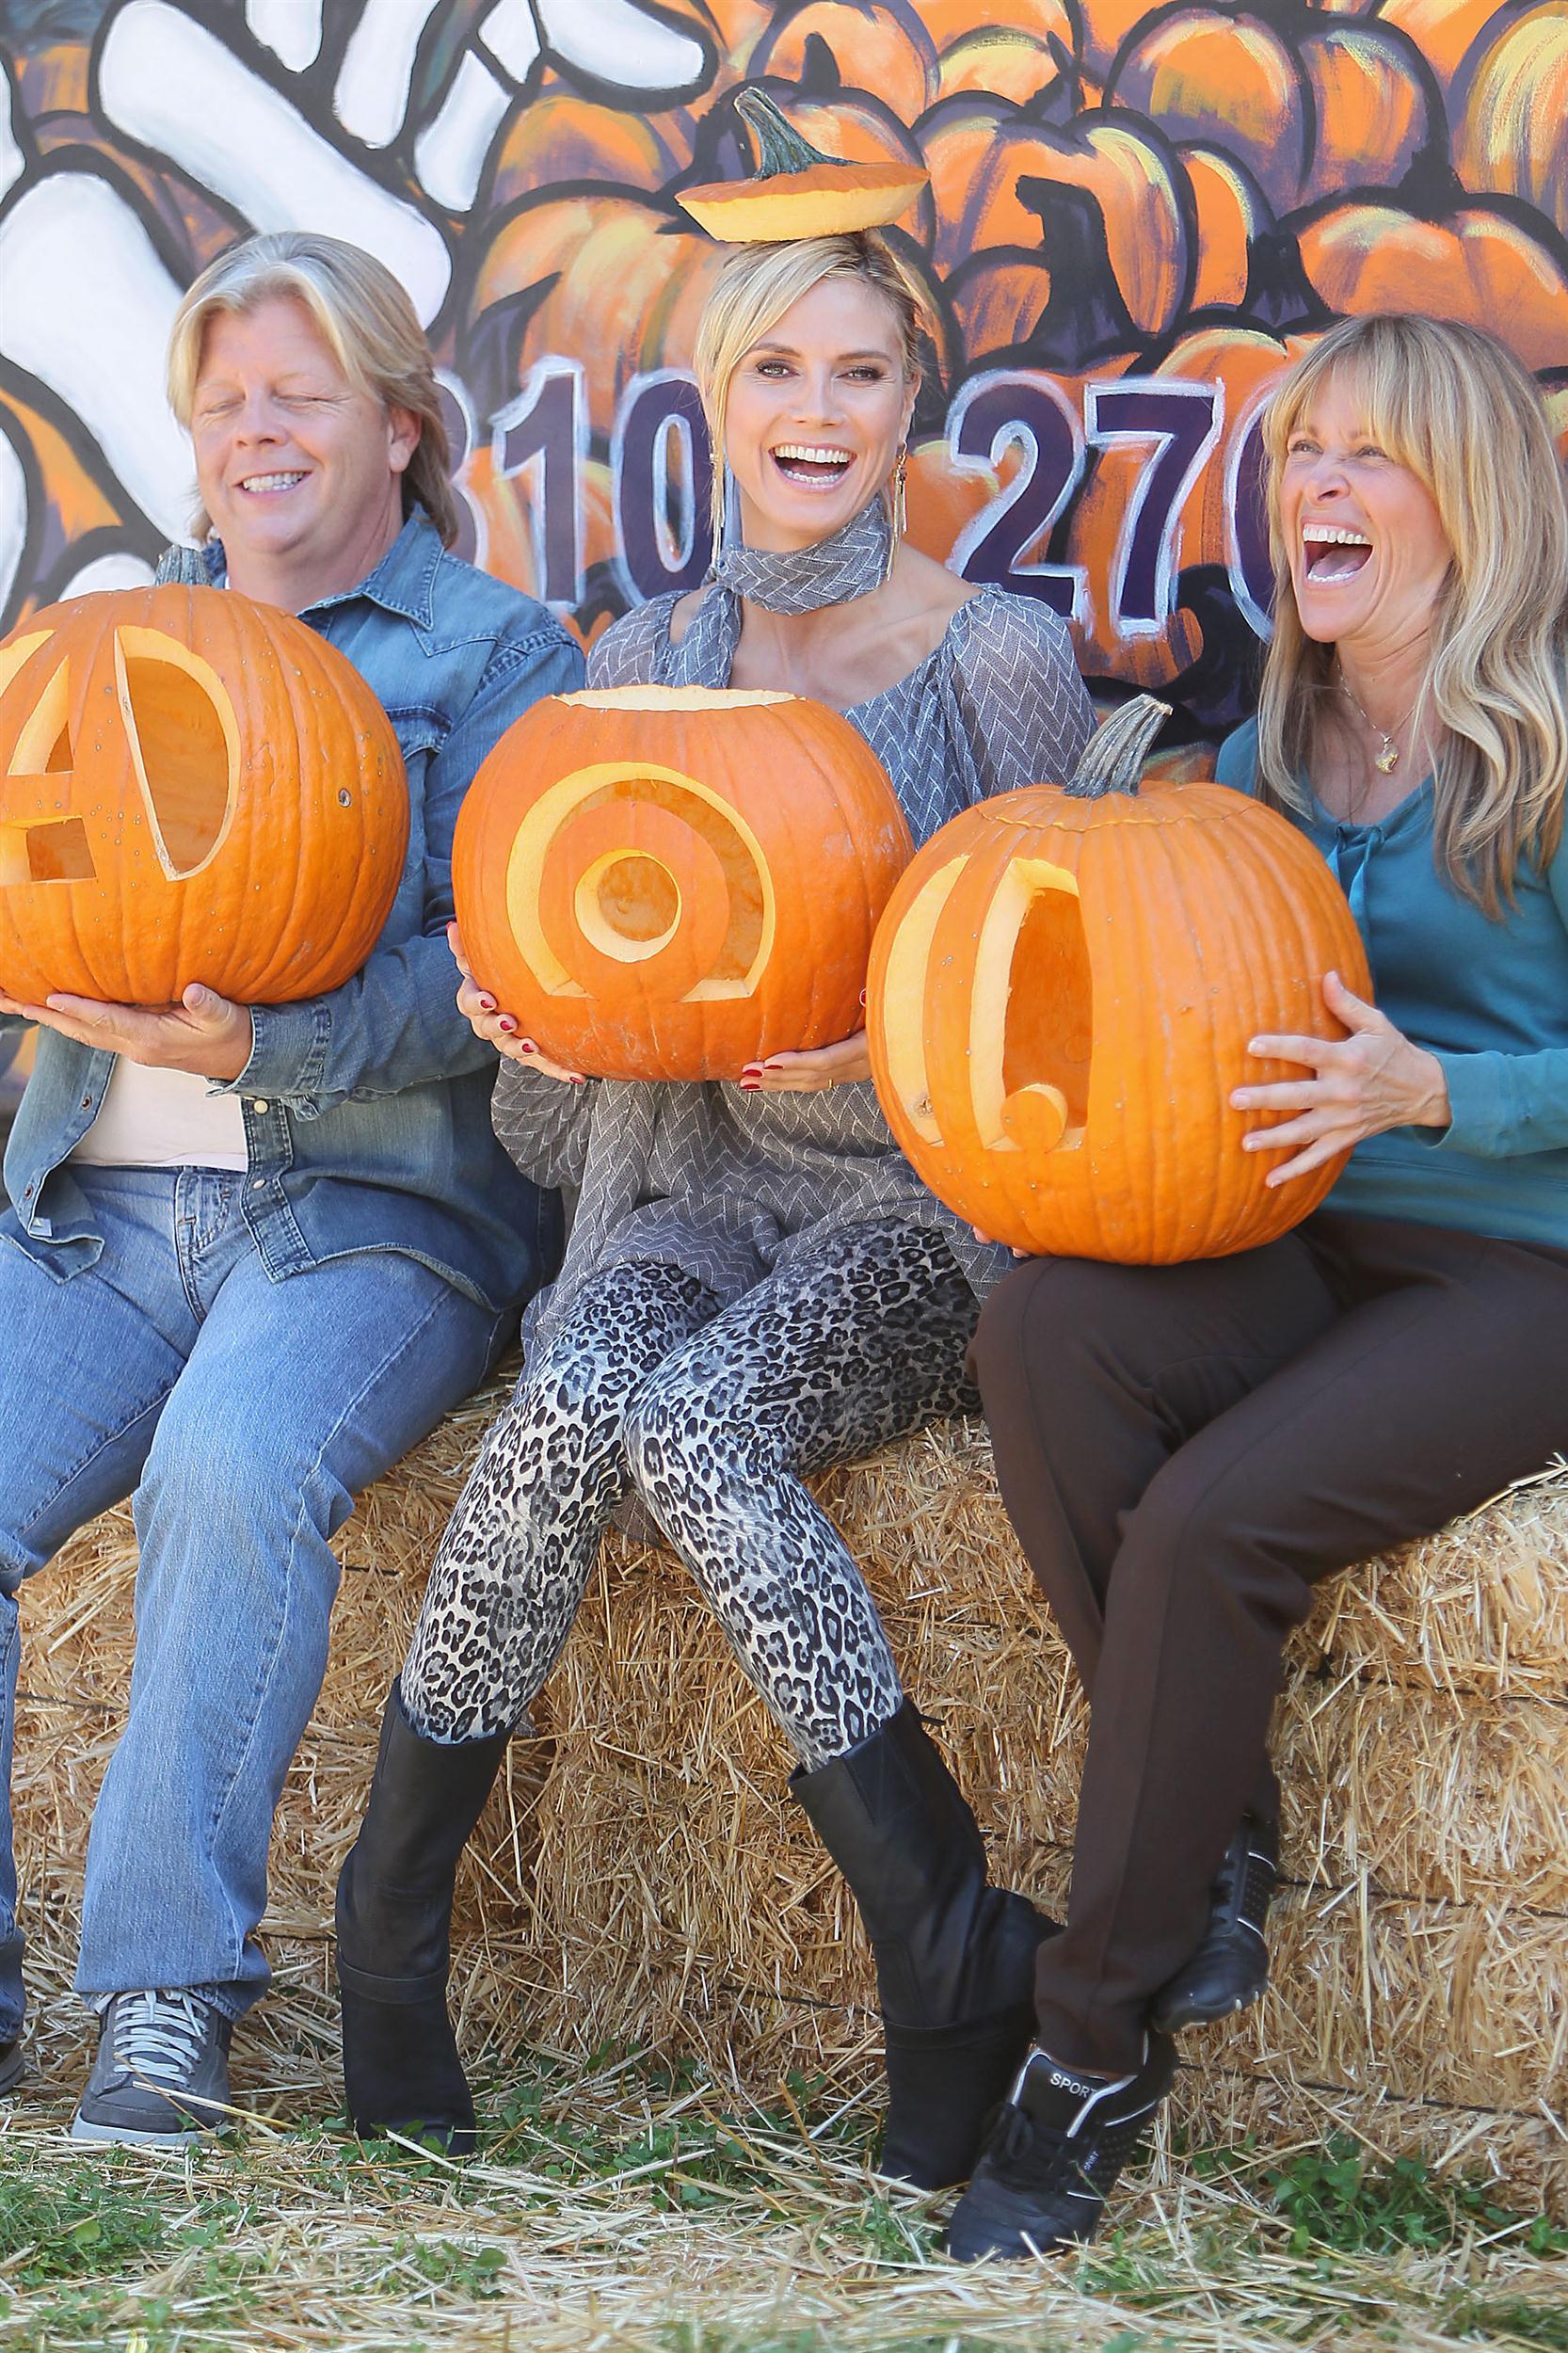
pixel 367 322
pixel 759 284
pixel 1465 416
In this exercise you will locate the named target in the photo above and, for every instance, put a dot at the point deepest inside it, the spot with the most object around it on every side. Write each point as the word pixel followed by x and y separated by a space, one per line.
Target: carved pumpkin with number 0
pixel 1061 997
pixel 670 882
pixel 193 787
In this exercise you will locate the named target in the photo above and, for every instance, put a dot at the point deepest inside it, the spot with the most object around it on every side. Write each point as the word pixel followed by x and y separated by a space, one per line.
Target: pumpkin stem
pixel 1114 757
pixel 780 147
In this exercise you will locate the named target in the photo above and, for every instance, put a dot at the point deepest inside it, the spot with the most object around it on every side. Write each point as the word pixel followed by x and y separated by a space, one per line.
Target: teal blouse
pixel 1490 1000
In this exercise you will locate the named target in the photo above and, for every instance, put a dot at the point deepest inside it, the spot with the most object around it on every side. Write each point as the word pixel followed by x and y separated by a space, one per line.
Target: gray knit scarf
pixel 792 580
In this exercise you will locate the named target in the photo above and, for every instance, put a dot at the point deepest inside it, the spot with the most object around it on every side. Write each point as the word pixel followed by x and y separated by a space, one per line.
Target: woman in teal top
pixel 1185 1450
pixel 1487 997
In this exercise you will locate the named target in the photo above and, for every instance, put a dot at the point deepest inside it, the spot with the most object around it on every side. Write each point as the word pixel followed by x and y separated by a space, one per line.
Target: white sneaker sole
pixel 127 2137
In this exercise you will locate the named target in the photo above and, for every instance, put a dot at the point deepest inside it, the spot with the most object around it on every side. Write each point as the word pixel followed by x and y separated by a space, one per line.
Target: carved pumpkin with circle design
pixel 670 882
pixel 193 787
pixel 1061 997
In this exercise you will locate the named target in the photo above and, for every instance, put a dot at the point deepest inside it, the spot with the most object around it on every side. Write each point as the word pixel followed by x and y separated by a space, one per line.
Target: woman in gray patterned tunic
pixel 757 1285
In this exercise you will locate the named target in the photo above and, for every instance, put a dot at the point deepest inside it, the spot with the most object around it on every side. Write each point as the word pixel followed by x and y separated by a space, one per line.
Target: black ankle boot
pixel 1230 1968
pixel 954 1956
pixel 400 2066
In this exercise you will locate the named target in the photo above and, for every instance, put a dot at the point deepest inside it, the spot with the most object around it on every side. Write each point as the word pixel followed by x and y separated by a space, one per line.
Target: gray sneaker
pixel 12 2067
pixel 161 2074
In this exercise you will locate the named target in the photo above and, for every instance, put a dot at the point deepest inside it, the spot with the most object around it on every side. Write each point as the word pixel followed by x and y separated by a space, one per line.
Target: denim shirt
pixel 367 1111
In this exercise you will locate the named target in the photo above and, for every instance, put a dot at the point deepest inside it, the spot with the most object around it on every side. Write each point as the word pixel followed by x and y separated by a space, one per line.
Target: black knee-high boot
pixel 954 1956
pixel 400 2066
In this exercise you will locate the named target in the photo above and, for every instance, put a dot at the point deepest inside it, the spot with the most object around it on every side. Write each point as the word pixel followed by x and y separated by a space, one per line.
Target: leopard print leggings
pixel 716 1417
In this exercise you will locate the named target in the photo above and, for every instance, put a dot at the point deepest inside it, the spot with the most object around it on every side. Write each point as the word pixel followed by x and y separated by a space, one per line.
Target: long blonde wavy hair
pixel 755 287
pixel 366 321
pixel 1464 415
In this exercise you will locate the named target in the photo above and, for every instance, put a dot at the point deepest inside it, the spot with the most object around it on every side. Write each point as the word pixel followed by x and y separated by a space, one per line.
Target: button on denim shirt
pixel 367 1111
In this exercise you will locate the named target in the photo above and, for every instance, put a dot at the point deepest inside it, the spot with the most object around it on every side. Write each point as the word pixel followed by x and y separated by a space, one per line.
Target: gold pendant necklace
pixel 1386 759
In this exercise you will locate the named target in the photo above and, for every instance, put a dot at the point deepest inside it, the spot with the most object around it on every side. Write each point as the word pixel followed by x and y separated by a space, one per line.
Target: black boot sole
pixel 1182 2004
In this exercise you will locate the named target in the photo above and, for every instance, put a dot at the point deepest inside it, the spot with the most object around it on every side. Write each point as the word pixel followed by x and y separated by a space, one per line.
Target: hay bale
pixel 641 1878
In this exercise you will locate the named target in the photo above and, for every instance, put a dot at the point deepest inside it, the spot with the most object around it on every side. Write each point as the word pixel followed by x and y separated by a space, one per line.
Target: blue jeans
pixel 244 1413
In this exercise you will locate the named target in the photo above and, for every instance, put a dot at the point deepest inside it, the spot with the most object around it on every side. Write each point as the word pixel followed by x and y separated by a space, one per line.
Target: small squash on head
pixel 670 882
pixel 797 191
pixel 193 787
pixel 1061 998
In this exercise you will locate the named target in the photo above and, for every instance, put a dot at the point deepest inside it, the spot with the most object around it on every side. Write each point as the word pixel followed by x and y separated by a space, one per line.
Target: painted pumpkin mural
pixel 1136 215
pixel 670 882
pixel 1061 996
pixel 193 787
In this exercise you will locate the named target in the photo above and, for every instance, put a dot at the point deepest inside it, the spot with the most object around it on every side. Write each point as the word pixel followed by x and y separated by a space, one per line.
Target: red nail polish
pixel 528 1046
pixel 486 1004
pixel 751 1086
pixel 507 1024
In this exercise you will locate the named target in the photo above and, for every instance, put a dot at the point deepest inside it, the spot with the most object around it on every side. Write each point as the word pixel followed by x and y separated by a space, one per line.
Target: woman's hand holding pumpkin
pixel 486 1020
pixel 1360 1086
pixel 204 1033
pixel 839 1066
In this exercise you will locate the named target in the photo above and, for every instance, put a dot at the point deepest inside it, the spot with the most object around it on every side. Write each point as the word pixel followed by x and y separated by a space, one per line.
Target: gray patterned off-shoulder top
pixel 729 1185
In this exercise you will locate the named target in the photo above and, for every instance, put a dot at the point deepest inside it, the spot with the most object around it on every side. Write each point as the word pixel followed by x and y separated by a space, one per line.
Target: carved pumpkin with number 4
pixel 1061 997
pixel 193 787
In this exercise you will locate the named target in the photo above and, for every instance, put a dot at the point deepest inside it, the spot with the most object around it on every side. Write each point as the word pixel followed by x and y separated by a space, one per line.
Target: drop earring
pixel 898 505
pixel 733 534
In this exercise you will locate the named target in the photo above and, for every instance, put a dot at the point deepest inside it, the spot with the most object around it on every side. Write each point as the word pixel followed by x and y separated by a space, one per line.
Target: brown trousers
pixel 1184 1451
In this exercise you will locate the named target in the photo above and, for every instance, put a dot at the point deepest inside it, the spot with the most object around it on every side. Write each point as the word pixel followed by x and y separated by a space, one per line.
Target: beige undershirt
pixel 162 1119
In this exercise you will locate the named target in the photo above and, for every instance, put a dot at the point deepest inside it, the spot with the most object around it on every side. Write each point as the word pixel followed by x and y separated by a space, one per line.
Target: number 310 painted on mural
pixel 1017 419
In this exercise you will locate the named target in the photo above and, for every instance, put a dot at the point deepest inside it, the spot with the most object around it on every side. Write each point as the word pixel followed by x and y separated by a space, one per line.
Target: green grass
pixel 71 2227
pixel 1337 2198
pixel 650 2212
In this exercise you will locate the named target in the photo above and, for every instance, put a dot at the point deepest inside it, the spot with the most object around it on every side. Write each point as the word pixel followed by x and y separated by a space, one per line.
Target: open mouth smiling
pixel 265 485
pixel 1333 552
pixel 814 464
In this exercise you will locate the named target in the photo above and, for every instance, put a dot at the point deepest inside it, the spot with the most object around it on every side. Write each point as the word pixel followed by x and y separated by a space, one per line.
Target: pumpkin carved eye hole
pixel 44 745
pixel 56 852
pixel 1032 1013
pixel 181 744
pixel 1050 1028
pixel 59 756
pixel 632 903
pixel 617 868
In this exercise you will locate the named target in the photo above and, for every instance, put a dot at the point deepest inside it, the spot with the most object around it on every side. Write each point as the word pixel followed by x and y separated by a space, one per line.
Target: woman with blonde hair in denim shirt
pixel 257 1252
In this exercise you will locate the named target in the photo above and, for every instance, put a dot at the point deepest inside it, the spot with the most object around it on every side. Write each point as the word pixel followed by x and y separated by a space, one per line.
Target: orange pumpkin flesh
pixel 193 787
pixel 670 882
pixel 828 201
pixel 1060 1002
pixel 797 191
